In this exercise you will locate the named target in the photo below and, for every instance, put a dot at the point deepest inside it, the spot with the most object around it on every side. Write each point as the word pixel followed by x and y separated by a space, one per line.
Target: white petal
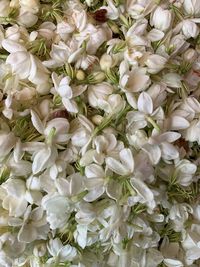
pixel 41 159
pixel 67 253
pixel 142 189
pixel 94 194
pixel 145 103
pixel 168 137
pixel 169 152
pixel 178 123
pixel 12 46
pixel 173 263
pixel 37 123
pixel 94 171
pixel 20 62
pixel 27 234
pixel 64 89
pixel 116 166
pixel 155 35
pixel 153 152
pixel 70 105
pixel 126 158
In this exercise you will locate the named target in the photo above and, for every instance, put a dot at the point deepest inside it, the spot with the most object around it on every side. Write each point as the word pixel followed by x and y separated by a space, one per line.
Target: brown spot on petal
pixel 197 72
pixel 182 143
pixel 62 113
pixel 100 15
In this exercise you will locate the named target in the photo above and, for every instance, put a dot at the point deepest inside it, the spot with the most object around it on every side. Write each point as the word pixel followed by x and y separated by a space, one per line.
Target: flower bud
pixel 96 77
pixel 190 29
pixel 44 88
pixel 80 75
pixel 190 55
pixel 161 19
pixel 106 62
pixel 39 250
pixel 97 119
pixel 192 7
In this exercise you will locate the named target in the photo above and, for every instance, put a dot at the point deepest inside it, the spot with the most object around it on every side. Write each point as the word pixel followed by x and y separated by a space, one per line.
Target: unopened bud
pixel 97 119
pixel 80 75
pixel 106 62
pixel 190 55
pixel 96 77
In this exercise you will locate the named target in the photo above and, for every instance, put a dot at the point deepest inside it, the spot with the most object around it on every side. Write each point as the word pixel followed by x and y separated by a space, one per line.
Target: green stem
pixel 153 123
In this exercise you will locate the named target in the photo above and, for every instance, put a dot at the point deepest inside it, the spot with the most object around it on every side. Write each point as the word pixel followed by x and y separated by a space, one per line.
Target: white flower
pixel 59 54
pixel 80 19
pixel 60 252
pixel 190 29
pixel 145 114
pixel 192 7
pixel 26 18
pixel 161 19
pixel 155 35
pixel 177 123
pixel 190 55
pixel 58 210
pixel 25 64
pixel 81 130
pixel 135 81
pixel 193 131
pixel 80 235
pixel 137 9
pixel 191 245
pixel 159 146
pixel 64 29
pixel 185 171
pixel 179 214
pixel 60 125
pixel 112 105
pixel 124 166
pixel 144 194
pixel 157 93
pixel 62 87
pixel 14 200
pixel 155 63
pixel 30 5
pixel 34 226
pixel 98 92
pixel 172 80
pixel 43 158
pixel 95 36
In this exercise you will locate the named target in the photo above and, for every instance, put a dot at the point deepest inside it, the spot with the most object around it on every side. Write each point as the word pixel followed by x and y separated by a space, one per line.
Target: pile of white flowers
pixel 99 133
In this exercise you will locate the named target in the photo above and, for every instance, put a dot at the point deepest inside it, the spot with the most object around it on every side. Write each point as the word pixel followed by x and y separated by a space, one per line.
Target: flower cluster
pixel 99 133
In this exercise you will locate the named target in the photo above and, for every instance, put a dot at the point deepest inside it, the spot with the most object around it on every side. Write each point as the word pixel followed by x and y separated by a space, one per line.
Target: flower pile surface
pixel 99 133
